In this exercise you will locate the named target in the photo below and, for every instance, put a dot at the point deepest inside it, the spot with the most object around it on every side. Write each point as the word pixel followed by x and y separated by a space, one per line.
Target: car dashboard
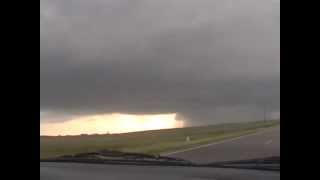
pixel 82 171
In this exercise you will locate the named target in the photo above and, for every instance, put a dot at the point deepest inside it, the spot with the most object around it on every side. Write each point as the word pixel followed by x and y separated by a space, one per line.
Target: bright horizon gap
pixel 111 123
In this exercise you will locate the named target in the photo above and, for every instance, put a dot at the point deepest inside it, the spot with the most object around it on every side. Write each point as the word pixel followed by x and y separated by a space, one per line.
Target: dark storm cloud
pixel 207 60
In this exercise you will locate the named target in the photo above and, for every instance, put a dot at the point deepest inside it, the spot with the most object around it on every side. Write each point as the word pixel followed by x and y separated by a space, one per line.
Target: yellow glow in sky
pixel 112 123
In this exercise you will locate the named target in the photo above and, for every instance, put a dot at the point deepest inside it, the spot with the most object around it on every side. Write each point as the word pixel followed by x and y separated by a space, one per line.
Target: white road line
pixel 268 142
pixel 221 142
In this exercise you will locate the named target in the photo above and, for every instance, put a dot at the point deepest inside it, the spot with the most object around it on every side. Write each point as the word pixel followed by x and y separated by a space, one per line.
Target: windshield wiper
pixel 269 163
pixel 118 157
pixel 129 158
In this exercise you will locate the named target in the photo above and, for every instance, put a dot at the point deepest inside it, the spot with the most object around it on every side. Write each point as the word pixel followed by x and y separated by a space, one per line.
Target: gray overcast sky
pixel 208 60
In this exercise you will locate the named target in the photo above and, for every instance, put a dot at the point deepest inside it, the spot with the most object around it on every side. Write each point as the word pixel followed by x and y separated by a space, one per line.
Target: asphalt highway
pixel 262 144
pixel 265 143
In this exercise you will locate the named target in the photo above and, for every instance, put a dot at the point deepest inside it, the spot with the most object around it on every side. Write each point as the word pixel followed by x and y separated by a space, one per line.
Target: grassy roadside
pixel 153 142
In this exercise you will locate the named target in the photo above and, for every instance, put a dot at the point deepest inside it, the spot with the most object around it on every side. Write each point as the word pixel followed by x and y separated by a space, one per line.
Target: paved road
pixel 262 144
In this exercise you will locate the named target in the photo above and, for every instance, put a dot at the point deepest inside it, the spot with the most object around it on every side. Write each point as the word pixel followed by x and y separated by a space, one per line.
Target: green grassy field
pixel 152 142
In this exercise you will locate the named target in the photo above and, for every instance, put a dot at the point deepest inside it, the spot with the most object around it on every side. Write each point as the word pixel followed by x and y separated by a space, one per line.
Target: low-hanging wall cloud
pixel 208 60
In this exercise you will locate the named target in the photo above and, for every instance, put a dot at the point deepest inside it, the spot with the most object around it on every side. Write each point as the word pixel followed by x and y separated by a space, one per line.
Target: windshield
pixel 188 82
